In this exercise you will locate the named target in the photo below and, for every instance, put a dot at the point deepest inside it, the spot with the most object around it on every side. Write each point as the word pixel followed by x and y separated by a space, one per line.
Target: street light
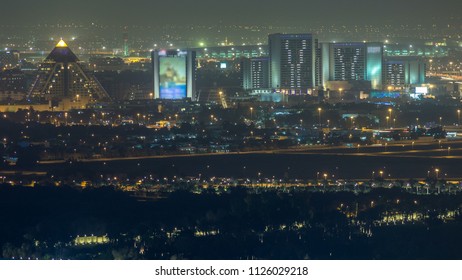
pixel 388 121
pixel 251 113
pixel 437 171
pixel 220 94
pixel 320 111
pixel 458 117
pixel 449 150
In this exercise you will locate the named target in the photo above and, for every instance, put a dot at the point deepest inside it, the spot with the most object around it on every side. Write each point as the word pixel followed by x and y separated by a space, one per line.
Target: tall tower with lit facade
pixel 294 63
pixel 353 61
pixel 174 74
pixel 255 73
pixel 63 79
pixel 125 38
pixel 403 71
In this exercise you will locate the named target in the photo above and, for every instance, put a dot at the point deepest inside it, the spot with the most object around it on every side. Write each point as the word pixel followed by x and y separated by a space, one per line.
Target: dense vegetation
pixel 43 222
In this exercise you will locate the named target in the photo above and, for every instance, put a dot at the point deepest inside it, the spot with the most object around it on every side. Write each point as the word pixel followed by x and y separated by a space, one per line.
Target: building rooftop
pixel 62 53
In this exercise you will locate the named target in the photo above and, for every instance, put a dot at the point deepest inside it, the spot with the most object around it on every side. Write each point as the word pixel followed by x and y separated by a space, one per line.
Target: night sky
pixel 209 12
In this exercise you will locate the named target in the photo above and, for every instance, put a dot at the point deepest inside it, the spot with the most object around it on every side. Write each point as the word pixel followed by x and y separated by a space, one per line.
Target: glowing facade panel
pixel 174 74
pixel 374 58
pixel 172 78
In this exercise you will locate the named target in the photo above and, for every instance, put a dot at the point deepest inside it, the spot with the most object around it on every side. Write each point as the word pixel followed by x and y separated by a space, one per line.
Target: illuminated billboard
pixel 421 90
pixel 172 77
pixel 174 74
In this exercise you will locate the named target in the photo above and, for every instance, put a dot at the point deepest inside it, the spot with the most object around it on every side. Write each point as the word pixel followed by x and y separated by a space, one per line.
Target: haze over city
pixel 240 12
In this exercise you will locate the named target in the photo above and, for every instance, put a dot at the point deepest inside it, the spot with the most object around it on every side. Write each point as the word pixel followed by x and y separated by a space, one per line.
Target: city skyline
pixel 240 130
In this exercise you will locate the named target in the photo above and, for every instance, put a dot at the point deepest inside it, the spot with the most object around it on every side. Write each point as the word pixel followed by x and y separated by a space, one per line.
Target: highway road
pixel 404 149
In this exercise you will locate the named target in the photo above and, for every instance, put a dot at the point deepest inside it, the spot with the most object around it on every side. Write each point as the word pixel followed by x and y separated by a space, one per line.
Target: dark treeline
pixel 240 224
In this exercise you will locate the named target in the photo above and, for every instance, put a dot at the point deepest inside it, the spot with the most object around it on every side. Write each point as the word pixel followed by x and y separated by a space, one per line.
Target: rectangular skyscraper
pixel 349 62
pixel 255 73
pixel 294 62
pixel 374 59
pixel 352 61
pixel 174 74
pixel 404 70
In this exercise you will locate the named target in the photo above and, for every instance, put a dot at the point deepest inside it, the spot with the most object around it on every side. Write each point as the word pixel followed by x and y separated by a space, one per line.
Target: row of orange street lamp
pixel 390 113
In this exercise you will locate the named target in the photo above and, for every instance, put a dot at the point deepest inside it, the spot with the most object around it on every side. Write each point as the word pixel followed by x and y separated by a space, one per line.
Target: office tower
pixel 255 73
pixel 61 77
pixel 125 38
pixel 353 61
pixel 374 60
pixel 174 74
pixel 404 70
pixel 349 62
pixel 294 63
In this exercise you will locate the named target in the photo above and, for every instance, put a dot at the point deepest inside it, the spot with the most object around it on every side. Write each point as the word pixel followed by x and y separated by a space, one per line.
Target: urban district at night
pixel 144 131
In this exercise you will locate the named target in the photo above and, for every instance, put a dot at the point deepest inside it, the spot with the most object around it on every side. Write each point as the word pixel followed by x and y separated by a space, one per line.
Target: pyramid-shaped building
pixel 63 79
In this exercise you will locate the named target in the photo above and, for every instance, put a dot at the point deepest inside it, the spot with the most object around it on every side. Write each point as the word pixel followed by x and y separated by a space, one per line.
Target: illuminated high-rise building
pixel 353 62
pixel 294 63
pixel 404 70
pixel 255 73
pixel 63 79
pixel 125 38
pixel 174 74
